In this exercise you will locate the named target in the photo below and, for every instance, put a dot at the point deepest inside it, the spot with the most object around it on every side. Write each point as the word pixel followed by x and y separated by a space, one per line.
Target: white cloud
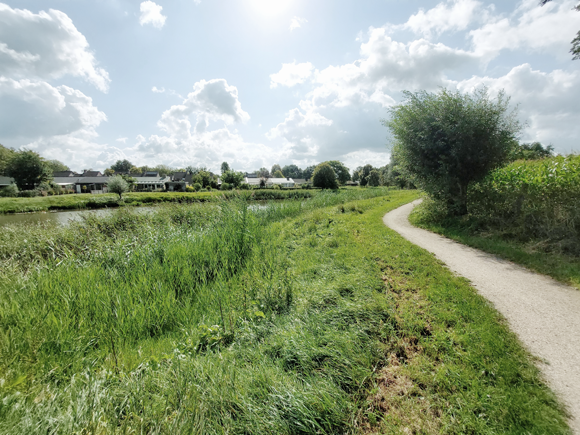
pixel 530 27
pixel 122 139
pixel 188 139
pixel 363 157
pixel 291 74
pixel 452 15
pixel 157 90
pixel 548 102
pixel 297 22
pixel 212 100
pixel 45 46
pixel 32 109
pixel 151 14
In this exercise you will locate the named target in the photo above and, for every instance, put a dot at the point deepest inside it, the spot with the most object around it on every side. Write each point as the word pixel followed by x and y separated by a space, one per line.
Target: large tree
pixel 122 166
pixel 57 166
pixel 307 173
pixel 341 171
pixel 575 50
pixel 292 171
pixel 447 140
pixel 225 167
pixel 324 177
pixel 28 169
pixel 5 155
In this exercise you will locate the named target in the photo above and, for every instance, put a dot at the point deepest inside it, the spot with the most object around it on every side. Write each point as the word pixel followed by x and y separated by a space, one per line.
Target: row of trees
pixel 27 167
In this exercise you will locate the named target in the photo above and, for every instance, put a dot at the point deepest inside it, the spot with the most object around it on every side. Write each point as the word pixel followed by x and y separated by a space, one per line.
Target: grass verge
pixel 86 201
pixel 531 254
pixel 293 319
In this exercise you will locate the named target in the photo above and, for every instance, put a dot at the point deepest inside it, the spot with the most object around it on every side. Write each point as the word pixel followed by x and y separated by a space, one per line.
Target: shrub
pixel 532 199
pixel 324 177
pixel 9 191
pixel 208 188
pixel 244 186
pixel 197 187
pixel 448 140
pixel 191 188
pixel 117 185
pixel 276 187
pixel 225 186
pixel 28 193
pixel 306 186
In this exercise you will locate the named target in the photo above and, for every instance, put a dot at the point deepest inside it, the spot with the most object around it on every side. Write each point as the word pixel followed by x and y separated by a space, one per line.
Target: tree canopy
pixel 28 169
pixel 341 171
pixel 233 178
pixel 225 167
pixel 324 177
pixel 5 155
pixel 447 140
pixel 122 166
pixel 57 166
pixel 292 171
pixel 531 151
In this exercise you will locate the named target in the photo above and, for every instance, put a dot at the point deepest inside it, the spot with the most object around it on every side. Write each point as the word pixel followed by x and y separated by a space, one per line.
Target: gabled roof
pixel 92 174
pixel 63 181
pixel 92 180
pixel 178 176
pixel 58 174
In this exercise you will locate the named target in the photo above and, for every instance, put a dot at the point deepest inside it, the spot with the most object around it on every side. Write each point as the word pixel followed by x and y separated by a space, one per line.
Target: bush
pixel 244 186
pixel 191 188
pixel 197 187
pixel 536 199
pixel 225 186
pixel 118 185
pixel 28 193
pixel 306 186
pixel 208 188
pixel 324 177
pixel 276 187
pixel 448 140
pixel 10 191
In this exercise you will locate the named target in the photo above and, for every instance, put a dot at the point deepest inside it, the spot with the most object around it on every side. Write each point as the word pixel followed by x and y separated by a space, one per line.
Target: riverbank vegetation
pixel 527 212
pixel 484 188
pixel 84 201
pixel 299 317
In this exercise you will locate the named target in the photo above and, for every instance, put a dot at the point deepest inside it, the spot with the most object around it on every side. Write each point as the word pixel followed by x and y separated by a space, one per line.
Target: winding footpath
pixel 543 313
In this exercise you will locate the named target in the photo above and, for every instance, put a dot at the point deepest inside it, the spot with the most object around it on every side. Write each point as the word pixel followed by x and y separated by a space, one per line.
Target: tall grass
pixel 529 200
pixel 221 318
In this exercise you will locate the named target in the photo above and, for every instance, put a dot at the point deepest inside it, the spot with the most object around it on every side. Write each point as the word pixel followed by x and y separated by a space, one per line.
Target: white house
pixel 284 182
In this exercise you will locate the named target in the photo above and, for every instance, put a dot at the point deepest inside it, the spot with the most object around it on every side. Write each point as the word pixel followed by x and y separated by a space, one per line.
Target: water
pixel 64 217
pixel 60 217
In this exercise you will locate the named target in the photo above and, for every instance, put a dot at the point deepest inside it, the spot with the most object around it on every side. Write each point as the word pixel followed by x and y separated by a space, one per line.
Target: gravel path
pixel 542 312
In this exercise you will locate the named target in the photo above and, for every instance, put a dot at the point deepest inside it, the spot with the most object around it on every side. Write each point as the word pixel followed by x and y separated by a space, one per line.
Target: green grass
pixel 301 317
pixel 537 255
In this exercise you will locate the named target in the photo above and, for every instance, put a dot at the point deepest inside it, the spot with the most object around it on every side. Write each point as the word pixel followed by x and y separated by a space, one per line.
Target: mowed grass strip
pixel 328 323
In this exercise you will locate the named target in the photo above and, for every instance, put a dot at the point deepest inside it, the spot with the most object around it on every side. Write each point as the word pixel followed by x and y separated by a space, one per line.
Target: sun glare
pixel 270 8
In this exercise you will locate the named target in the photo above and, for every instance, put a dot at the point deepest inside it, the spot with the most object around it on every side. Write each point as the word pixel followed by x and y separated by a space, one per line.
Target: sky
pixel 258 82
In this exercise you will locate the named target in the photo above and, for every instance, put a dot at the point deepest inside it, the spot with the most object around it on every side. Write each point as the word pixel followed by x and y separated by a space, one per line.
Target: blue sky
pixel 257 82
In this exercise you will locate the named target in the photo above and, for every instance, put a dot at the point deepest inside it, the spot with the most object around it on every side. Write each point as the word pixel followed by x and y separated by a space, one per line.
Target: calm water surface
pixel 61 217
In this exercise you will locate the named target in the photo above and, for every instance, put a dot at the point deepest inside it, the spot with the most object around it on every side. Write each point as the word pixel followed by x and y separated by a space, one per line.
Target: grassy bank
pixel 302 317
pixel 531 254
pixel 85 201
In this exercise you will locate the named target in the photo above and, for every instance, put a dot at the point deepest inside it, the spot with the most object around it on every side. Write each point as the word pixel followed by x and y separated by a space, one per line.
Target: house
pixel 300 181
pixel 150 183
pixel 66 181
pixel 6 181
pixel 253 175
pixel 91 174
pixel 178 181
pixel 93 185
pixel 284 182
pixel 61 174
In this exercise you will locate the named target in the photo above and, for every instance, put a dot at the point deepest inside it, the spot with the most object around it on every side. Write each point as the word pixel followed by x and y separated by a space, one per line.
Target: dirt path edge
pixel 544 313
